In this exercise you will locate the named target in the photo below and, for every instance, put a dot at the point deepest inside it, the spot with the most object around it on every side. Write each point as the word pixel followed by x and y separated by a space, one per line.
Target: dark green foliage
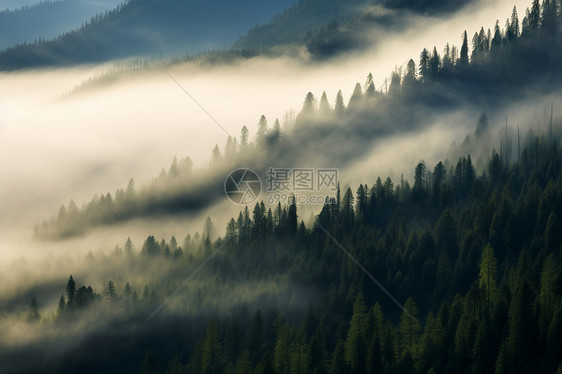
pixel 479 251
pixel 149 364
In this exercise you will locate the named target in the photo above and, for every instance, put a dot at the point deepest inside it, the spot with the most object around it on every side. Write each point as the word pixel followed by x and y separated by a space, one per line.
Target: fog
pixel 54 149
pixel 95 143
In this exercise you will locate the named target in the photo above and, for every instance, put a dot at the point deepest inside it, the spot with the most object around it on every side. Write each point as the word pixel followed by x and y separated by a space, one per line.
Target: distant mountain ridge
pixel 330 26
pixel 178 27
pixel 47 19
pixel 145 28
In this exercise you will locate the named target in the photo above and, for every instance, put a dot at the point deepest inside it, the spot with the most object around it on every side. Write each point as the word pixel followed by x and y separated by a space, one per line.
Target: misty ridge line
pixel 462 177
pixel 118 33
pixel 111 291
pixel 308 24
pixel 427 88
pixel 194 273
pixel 206 58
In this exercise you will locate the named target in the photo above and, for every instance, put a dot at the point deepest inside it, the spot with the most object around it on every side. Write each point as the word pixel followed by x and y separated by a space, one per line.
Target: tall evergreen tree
pixel 464 50
pixel 33 312
pixel 409 325
pixel 339 106
pixel 355 344
pixel 211 359
pixel 487 278
pixel 70 292
pixel 324 108
pixel 262 131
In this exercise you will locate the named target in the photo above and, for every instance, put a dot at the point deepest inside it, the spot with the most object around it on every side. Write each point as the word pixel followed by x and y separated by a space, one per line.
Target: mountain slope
pixel 47 19
pixel 314 23
pixel 147 27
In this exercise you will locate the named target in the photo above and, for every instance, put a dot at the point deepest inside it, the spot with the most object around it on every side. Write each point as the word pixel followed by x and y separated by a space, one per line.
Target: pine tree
pixel 339 107
pixel 33 312
pixel 61 306
pixel 553 340
pixel 316 354
pixel 355 344
pixel 175 366
pixel 487 278
pixel 410 76
pixel 148 364
pixel 298 355
pixel 434 64
pixel 482 352
pixel 282 351
pixel 514 25
pixel 324 108
pixel 244 363
pixel 368 81
pixel 521 334
pixel 338 359
pixel 547 295
pixel 216 156
pixel 374 355
pixel 110 294
pixel 275 134
pixel 292 217
pixel 70 292
pixel 464 50
pixel 409 325
pixel 424 64
pixel 211 358
pixel 534 15
pixel 262 131
pixel 244 137
pixel 497 39
pixel 347 211
pixel 128 247
pixel 309 105
pixel 356 97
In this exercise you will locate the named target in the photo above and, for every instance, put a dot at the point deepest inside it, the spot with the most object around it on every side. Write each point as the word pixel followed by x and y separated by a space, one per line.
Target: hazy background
pixel 54 150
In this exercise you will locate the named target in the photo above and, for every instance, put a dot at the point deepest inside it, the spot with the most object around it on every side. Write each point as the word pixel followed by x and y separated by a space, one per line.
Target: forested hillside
pixel 46 20
pixel 475 258
pixel 454 268
pixel 500 68
pixel 328 28
pixel 145 28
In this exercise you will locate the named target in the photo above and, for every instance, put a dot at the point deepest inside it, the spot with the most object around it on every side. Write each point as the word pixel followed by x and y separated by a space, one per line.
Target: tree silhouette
pixel 488 269
pixel 70 292
pixel 33 312
pixel 324 108
pixel 464 50
pixel 339 107
pixel 262 131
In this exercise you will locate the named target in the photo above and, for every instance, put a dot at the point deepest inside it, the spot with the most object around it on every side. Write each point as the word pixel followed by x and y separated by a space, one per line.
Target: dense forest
pixel 457 271
pixel 475 257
